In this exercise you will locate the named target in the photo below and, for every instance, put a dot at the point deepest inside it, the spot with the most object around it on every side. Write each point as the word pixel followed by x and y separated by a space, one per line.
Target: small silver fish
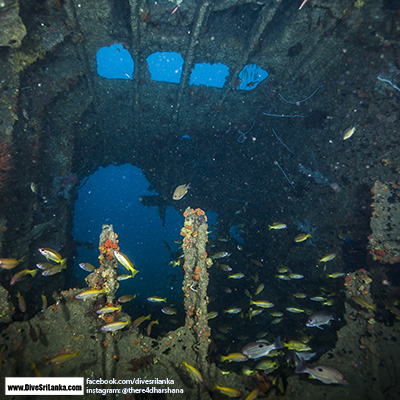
pixel 220 254
pixel 87 266
pixel 323 373
pixel 319 319
pixel 168 310
pixel 261 349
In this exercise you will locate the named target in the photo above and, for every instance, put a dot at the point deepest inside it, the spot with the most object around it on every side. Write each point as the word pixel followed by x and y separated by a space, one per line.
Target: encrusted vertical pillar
pixel 108 274
pixel 195 283
pixel 108 264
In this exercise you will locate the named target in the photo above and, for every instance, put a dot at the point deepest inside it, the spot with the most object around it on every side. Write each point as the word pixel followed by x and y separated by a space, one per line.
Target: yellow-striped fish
pixel 277 225
pixel 10 263
pixel 139 320
pixel 156 299
pixel 234 357
pixel 193 372
pixel 44 303
pixel 327 258
pixel 253 394
pixel 108 309
pixel 363 303
pixel 51 255
pixel 89 294
pixel 21 302
pixel 262 303
pixel 295 310
pixel 62 358
pixel 302 237
pixel 150 325
pixel 260 288
pixel 22 273
pixel 126 262
pixel 299 295
pixel 115 326
pixel 228 391
pixel 336 275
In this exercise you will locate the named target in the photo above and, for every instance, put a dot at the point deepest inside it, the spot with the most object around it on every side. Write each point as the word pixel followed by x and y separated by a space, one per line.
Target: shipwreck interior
pixel 272 110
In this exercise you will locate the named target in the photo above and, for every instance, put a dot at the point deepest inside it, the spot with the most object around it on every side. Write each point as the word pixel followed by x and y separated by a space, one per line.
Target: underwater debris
pixel 318 176
pixel 5 163
pixel 358 291
pixel 383 242
pixel 143 362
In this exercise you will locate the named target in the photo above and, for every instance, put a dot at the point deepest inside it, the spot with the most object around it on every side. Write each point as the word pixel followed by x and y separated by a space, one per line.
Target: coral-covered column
pixel 108 264
pixel 196 281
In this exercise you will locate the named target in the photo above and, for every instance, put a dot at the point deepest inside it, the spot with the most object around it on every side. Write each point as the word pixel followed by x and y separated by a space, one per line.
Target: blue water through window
pixel 115 62
pixel 112 196
pixel 207 74
pixel 251 76
pixel 165 66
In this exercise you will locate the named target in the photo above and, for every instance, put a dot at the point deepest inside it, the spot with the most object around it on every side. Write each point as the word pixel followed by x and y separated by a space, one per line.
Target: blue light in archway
pixel 115 62
pixel 209 75
pixel 165 66
pixel 112 195
pixel 250 76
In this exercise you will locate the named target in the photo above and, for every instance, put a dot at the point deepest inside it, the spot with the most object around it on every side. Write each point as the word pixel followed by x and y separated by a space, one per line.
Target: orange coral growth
pixel 362 271
pixel 201 212
pixel 110 244
pixel 108 249
pixel 196 277
pixel 185 214
pixel 108 318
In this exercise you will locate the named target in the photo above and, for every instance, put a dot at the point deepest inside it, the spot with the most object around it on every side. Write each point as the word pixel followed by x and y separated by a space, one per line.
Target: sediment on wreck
pixel 385 226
